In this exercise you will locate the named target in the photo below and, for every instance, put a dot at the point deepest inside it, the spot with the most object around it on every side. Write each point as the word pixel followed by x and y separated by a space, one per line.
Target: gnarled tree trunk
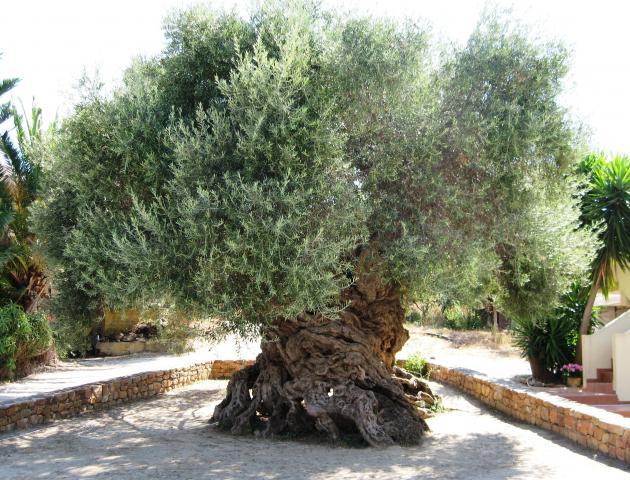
pixel 334 375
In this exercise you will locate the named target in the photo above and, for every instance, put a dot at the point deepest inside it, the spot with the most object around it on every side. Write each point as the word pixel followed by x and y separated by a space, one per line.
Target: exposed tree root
pixel 333 375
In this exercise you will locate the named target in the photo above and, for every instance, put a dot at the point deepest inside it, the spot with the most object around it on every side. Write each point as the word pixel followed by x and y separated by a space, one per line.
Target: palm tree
pixel 6 85
pixel 22 278
pixel 606 207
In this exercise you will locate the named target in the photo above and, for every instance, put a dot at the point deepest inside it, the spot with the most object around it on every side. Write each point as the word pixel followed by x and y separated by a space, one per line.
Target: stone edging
pixel 589 426
pixel 26 412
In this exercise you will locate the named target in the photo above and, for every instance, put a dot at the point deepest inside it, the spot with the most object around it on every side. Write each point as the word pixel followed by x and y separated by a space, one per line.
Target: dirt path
pixel 495 361
pixel 72 373
pixel 168 438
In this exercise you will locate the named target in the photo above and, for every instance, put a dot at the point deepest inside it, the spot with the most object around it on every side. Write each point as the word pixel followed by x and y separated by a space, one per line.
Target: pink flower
pixel 572 368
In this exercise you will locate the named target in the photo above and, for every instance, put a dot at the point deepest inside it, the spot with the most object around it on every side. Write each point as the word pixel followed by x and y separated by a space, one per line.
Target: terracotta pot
pixel 574 382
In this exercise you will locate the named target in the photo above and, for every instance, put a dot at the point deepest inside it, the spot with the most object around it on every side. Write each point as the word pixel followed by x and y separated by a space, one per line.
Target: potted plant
pixel 543 342
pixel 572 374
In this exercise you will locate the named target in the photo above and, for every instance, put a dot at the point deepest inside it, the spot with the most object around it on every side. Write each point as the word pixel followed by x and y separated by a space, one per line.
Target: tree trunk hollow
pixel 337 376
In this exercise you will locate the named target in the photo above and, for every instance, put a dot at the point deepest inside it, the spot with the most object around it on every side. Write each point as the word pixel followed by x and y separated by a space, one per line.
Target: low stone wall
pixel 589 426
pixel 24 413
pixel 115 349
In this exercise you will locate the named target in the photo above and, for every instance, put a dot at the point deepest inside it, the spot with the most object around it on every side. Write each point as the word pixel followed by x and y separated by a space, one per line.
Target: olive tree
pixel 302 176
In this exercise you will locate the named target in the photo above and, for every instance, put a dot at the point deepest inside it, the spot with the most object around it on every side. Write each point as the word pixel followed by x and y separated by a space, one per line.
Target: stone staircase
pixel 599 393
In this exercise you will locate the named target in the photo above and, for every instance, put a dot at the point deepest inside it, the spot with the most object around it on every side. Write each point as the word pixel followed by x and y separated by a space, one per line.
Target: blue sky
pixel 48 44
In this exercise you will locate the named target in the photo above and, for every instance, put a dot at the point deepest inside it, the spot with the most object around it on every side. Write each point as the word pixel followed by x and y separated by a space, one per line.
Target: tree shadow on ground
pixel 169 438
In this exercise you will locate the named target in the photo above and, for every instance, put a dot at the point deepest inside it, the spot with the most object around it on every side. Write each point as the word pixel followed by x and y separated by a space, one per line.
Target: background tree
pixel 302 176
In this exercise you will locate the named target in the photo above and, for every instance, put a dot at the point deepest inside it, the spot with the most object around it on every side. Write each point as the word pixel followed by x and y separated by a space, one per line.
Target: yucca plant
pixel 551 342
pixel 544 344
pixel 606 208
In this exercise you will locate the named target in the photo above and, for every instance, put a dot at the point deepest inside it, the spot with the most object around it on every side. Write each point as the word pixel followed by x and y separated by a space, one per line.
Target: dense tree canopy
pixel 234 174
pixel 260 166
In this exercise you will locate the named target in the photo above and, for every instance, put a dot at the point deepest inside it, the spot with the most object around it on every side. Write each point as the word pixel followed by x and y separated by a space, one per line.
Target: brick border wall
pixel 74 401
pixel 589 426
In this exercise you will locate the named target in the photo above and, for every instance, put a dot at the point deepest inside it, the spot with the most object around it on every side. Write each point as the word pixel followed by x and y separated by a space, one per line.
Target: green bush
pixel 553 341
pixel 437 406
pixel 547 340
pixel 72 337
pixel 23 338
pixel 460 318
pixel 414 317
pixel 417 364
pixel 427 313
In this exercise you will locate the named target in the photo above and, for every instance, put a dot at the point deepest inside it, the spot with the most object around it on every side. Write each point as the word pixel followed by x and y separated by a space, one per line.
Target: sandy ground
pixel 169 438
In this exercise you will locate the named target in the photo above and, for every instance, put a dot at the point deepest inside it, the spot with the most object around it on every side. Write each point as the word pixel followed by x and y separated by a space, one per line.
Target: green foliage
pixel 545 340
pixel 72 338
pixel 457 317
pixel 22 277
pixel 417 364
pixel 437 406
pixel 237 175
pixel 414 317
pixel 547 256
pixel 554 340
pixel 571 309
pixel 22 337
pixel 5 86
pixel 606 210
pixel 501 91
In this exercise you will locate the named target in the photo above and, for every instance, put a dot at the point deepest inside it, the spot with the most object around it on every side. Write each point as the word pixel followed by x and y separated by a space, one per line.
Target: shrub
pixel 427 314
pixel 546 341
pixel 414 317
pixel 417 364
pixel 553 341
pixel 437 406
pixel 72 338
pixel 24 340
pixel 460 318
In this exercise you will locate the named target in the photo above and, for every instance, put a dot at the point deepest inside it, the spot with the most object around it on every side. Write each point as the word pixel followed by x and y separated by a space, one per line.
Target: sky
pixel 50 44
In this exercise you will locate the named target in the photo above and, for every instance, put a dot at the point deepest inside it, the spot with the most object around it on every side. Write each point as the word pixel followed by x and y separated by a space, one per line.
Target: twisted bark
pixel 334 375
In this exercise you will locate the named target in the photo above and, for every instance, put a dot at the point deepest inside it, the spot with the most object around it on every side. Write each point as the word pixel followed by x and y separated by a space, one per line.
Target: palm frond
pixel 606 207
pixel 7 84
pixel 5 108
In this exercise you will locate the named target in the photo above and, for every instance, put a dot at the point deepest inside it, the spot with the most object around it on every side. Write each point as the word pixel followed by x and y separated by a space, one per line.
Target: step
pixel 604 374
pixel 591 398
pixel 620 409
pixel 595 386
